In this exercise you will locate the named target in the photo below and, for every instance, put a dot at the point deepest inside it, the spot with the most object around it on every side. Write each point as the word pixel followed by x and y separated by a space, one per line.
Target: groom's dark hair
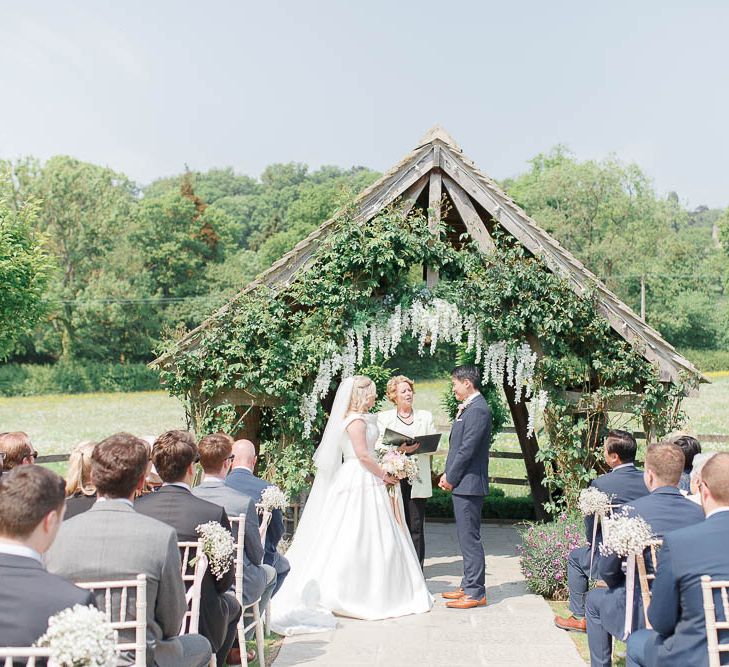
pixel 467 372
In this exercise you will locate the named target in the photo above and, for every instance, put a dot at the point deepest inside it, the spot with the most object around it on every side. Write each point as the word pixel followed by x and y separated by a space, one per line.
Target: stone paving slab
pixel 514 629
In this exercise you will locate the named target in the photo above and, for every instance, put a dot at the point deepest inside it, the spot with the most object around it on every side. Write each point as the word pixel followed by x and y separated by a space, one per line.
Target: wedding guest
pixel 216 459
pixel 623 483
pixel 665 509
pixel 700 460
pixel 80 491
pixel 174 456
pixel 690 447
pixel 412 423
pixel 676 612
pixel 111 542
pixel 17 448
pixel 31 511
pixel 242 479
pixel 153 480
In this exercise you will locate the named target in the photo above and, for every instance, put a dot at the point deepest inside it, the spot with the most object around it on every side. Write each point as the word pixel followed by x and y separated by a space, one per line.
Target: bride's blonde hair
pixel 362 390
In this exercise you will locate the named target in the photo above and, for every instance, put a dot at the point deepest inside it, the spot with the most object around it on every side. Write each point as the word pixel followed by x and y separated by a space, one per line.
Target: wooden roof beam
pixel 474 224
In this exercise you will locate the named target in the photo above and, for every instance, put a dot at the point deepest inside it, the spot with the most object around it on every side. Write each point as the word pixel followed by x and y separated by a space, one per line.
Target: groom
pixel 466 476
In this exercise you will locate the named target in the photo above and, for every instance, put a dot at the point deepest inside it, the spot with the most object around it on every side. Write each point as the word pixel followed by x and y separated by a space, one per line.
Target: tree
pixel 24 273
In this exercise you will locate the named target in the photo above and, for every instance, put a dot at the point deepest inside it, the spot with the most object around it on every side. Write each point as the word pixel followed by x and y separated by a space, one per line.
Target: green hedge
pixel 708 360
pixel 496 505
pixel 75 378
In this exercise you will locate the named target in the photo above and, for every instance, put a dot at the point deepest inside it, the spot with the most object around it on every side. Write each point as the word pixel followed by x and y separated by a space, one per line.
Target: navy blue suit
pixel 665 510
pixel 624 484
pixel 467 470
pixel 676 613
pixel 246 482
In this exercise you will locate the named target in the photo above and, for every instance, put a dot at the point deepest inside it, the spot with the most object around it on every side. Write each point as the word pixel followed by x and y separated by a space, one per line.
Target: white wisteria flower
pixel 218 546
pixel 624 535
pixel 272 498
pixel 80 637
pixel 593 501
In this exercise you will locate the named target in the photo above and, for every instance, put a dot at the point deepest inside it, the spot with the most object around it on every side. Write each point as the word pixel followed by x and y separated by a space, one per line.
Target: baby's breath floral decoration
pixel 359 296
pixel 625 535
pixel 80 637
pixel 218 546
pixel 593 501
pixel 272 498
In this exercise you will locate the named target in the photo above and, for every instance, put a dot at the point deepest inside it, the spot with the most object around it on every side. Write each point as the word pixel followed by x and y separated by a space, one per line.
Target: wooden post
pixel 434 201
pixel 642 298
pixel 529 448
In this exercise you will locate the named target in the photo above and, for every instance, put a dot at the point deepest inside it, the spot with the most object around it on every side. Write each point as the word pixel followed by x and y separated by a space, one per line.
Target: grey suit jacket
pixel 235 503
pixel 112 541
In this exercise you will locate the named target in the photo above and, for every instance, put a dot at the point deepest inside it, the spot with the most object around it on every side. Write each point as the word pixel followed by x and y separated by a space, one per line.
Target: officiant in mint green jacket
pixel 412 423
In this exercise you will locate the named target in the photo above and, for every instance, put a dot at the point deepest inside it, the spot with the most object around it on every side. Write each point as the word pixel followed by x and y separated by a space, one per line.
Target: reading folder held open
pixel 428 443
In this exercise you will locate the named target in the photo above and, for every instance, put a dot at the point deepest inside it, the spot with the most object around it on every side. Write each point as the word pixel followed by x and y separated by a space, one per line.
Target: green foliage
pixel 708 360
pixel 24 272
pixel 544 551
pixel 75 378
pixel 496 505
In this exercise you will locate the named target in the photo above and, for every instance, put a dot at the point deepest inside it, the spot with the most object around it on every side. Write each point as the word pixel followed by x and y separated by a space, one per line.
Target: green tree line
pixel 96 267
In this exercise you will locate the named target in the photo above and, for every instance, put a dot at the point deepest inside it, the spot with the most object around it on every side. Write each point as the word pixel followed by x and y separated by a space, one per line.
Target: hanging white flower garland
pixel 442 322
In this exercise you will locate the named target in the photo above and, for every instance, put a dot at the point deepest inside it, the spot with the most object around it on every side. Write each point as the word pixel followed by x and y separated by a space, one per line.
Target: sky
pixel 147 87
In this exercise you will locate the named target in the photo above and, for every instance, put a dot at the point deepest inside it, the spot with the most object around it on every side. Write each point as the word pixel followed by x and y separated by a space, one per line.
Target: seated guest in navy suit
pixel 665 509
pixel 242 479
pixel 32 502
pixel 676 611
pixel 624 483
pixel 690 448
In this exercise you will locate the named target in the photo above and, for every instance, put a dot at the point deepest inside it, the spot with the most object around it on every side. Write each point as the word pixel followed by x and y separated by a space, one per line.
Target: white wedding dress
pixel 349 556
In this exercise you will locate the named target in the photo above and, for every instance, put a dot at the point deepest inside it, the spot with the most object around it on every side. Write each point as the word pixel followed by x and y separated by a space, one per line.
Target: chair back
pixel 114 600
pixel 713 627
pixel 29 654
pixel 265 520
pixel 238 525
pixel 192 575
pixel 645 576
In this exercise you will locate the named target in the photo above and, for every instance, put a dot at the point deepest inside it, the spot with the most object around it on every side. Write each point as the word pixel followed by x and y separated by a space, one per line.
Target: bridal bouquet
pixel 399 465
pixel 218 546
pixel 594 501
pixel 625 535
pixel 80 637
pixel 272 498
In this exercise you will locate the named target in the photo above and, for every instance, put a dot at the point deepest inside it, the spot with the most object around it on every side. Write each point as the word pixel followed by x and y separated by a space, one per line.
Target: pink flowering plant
pixel 399 465
pixel 544 551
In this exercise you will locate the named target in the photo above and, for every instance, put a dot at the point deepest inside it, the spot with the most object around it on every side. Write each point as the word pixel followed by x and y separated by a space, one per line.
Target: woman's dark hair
pixel 690 448
pixel 467 372
pixel 623 444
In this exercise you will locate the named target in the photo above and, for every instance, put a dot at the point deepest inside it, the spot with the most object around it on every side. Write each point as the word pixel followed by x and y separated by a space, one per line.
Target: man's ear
pixel 141 482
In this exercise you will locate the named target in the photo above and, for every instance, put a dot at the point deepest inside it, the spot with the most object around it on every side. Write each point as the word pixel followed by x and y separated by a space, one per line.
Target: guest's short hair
pixel 214 450
pixel 362 390
pixel 16 446
pixel 665 460
pixel 172 454
pixel 27 495
pixel 690 447
pixel 392 386
pixel 117 465
pixel 715 475
pixel 700 460
pixel 78 475
pixel 621 443
pixel 467 372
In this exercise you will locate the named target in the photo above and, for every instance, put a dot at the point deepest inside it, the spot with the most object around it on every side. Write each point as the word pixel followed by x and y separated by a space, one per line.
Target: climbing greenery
pixel 271 341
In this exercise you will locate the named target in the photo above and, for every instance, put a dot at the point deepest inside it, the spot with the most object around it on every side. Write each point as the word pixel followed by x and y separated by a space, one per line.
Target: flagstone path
pixel 515 629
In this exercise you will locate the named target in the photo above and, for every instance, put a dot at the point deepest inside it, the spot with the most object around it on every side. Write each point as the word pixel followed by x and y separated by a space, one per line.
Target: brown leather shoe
pixel 233 657
pixel 571 624
pixel 466 602
pixel 454 595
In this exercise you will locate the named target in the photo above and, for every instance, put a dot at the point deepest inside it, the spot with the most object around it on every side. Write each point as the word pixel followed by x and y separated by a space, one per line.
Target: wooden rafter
pixel 474 224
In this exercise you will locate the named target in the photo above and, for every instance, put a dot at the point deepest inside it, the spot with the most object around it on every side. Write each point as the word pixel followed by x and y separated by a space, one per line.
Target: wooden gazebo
pixel 438 171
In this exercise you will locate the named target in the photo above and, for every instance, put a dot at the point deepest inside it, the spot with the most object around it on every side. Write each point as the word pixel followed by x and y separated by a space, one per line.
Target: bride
pixel 350 555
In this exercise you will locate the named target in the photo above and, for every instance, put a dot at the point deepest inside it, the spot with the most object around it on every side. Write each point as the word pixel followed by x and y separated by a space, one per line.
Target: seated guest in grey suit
pixel 216 459
pixel 665 509
pixel 241 478
pixel 623 483
pixel 31 510
pixel 676 611
pixel 174 456
pixel 111 541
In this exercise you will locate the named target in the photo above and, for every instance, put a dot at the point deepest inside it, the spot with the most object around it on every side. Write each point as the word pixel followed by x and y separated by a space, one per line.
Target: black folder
pixel 428 443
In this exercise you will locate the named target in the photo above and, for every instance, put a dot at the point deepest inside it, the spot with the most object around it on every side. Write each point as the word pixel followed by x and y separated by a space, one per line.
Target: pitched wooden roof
pixel 478 200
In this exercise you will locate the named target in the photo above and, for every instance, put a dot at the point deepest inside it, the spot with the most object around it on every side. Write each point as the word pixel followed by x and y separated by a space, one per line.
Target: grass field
pixel 56 423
